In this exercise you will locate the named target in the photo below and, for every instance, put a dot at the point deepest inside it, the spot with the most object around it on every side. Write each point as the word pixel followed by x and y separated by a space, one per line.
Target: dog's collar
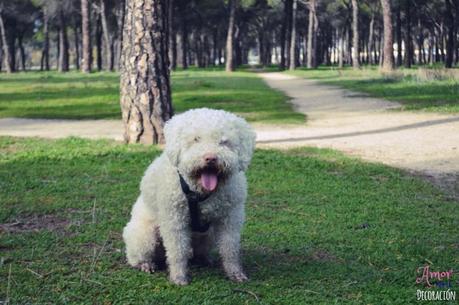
pixel 194 199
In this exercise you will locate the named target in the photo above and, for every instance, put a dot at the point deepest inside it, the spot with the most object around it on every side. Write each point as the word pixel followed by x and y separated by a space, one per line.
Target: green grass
pixel 321 228
pixel 96 96
pixel 406 86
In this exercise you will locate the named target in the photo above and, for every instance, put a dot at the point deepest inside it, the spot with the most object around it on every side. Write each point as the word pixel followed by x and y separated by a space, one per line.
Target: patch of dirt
pixel 36 223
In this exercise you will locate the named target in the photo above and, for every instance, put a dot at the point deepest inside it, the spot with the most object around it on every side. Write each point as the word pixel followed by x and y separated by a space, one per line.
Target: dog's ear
pixel 172 136
pixel 246 143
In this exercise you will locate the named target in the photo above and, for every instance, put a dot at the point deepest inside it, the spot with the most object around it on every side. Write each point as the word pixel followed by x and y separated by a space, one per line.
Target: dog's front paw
pixel 180 280
pixel 238 277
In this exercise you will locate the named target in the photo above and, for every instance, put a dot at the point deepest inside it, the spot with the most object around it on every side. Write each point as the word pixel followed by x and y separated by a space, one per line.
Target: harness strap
pixel 194 199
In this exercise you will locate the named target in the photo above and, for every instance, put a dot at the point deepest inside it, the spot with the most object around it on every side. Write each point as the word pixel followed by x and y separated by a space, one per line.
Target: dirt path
pixel 370 128
pixel 366 127
pixel 339 119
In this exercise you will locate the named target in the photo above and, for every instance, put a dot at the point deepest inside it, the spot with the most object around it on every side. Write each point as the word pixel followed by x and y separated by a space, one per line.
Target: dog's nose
pixel 210 158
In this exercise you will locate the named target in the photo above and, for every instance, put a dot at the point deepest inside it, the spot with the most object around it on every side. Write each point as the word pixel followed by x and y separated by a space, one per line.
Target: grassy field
pixel 321 228
pixel 417 89
pixel 96 96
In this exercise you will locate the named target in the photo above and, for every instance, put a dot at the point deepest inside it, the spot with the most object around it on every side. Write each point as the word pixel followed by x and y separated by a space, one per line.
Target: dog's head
pixel 207 146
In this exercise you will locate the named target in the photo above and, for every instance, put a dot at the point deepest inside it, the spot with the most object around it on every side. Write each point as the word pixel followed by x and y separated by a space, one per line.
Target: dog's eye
pixel 225 142
pixel 197 139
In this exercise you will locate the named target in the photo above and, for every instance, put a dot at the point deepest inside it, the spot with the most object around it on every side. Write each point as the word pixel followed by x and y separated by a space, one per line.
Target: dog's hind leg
pixel 141 237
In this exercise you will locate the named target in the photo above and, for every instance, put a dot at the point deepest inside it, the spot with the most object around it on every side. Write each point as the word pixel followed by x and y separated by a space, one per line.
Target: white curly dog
pixel 193 195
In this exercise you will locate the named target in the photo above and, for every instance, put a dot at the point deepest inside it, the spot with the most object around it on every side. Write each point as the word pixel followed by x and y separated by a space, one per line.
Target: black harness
pixel 194 199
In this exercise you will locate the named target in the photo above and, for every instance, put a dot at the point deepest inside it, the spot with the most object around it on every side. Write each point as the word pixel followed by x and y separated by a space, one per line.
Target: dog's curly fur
pixel 160 220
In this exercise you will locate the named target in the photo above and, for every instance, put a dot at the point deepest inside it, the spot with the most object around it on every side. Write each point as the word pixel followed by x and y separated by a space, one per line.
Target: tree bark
pixel 229 61
pixel 22 52
pixel 99 44
pixel 292 64
pixel 44 63
pixel 6 47
pixel 184 47
pixel 109 65
pixel 449 18
pixel 86 61
pixel 283 36
pixel 420 43
pixel 388 56
pixel 172 36
pixel 63 45
pixel 145 89
pixel 456 45
pixel 77 46
pixel 355 35
pixel 371 43
pixel 408 39
pixel 341 48
pixel 311 52
pixel 398 31
pixel 119 42
pixel 288 32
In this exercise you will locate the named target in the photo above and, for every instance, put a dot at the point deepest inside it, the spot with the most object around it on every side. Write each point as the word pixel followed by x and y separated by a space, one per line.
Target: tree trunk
pixel 261 46
pixel 292 64
pixel 6 47
pixel 283 36
pixel 86 47
pixel 237 60
pixel 456 44
pixel 107 38
pixel 77 46
pixel 408 39
pixel 145 90
pixel 355 35
pixel 229 61
pixel 420 43
pixel 119 43
pixel 451 37
pixel 172 37
pixel 311 52
pixel 288 32
pixel 398 31
pixel 371 43
pixel 99 44
pixel 388 57
pixel 431 47
pixel 22 52
pixel 182 48
pixel 348 45
pixel 184 45
pixel 44 63
pixel 214 46
pixel 341 49
pixel 63 45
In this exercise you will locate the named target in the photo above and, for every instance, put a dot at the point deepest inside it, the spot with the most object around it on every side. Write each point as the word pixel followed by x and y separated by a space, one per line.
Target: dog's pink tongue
pixel 209 181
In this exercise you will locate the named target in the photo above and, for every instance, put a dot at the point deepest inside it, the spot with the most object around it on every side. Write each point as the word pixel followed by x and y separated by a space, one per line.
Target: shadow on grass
pixel 92 111
pixel 45 94
pixel 55 78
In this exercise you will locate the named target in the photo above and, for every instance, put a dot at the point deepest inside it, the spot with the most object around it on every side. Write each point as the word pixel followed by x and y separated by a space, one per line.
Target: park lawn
pixel 407 86
pixel 75 95
pixel 321 228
